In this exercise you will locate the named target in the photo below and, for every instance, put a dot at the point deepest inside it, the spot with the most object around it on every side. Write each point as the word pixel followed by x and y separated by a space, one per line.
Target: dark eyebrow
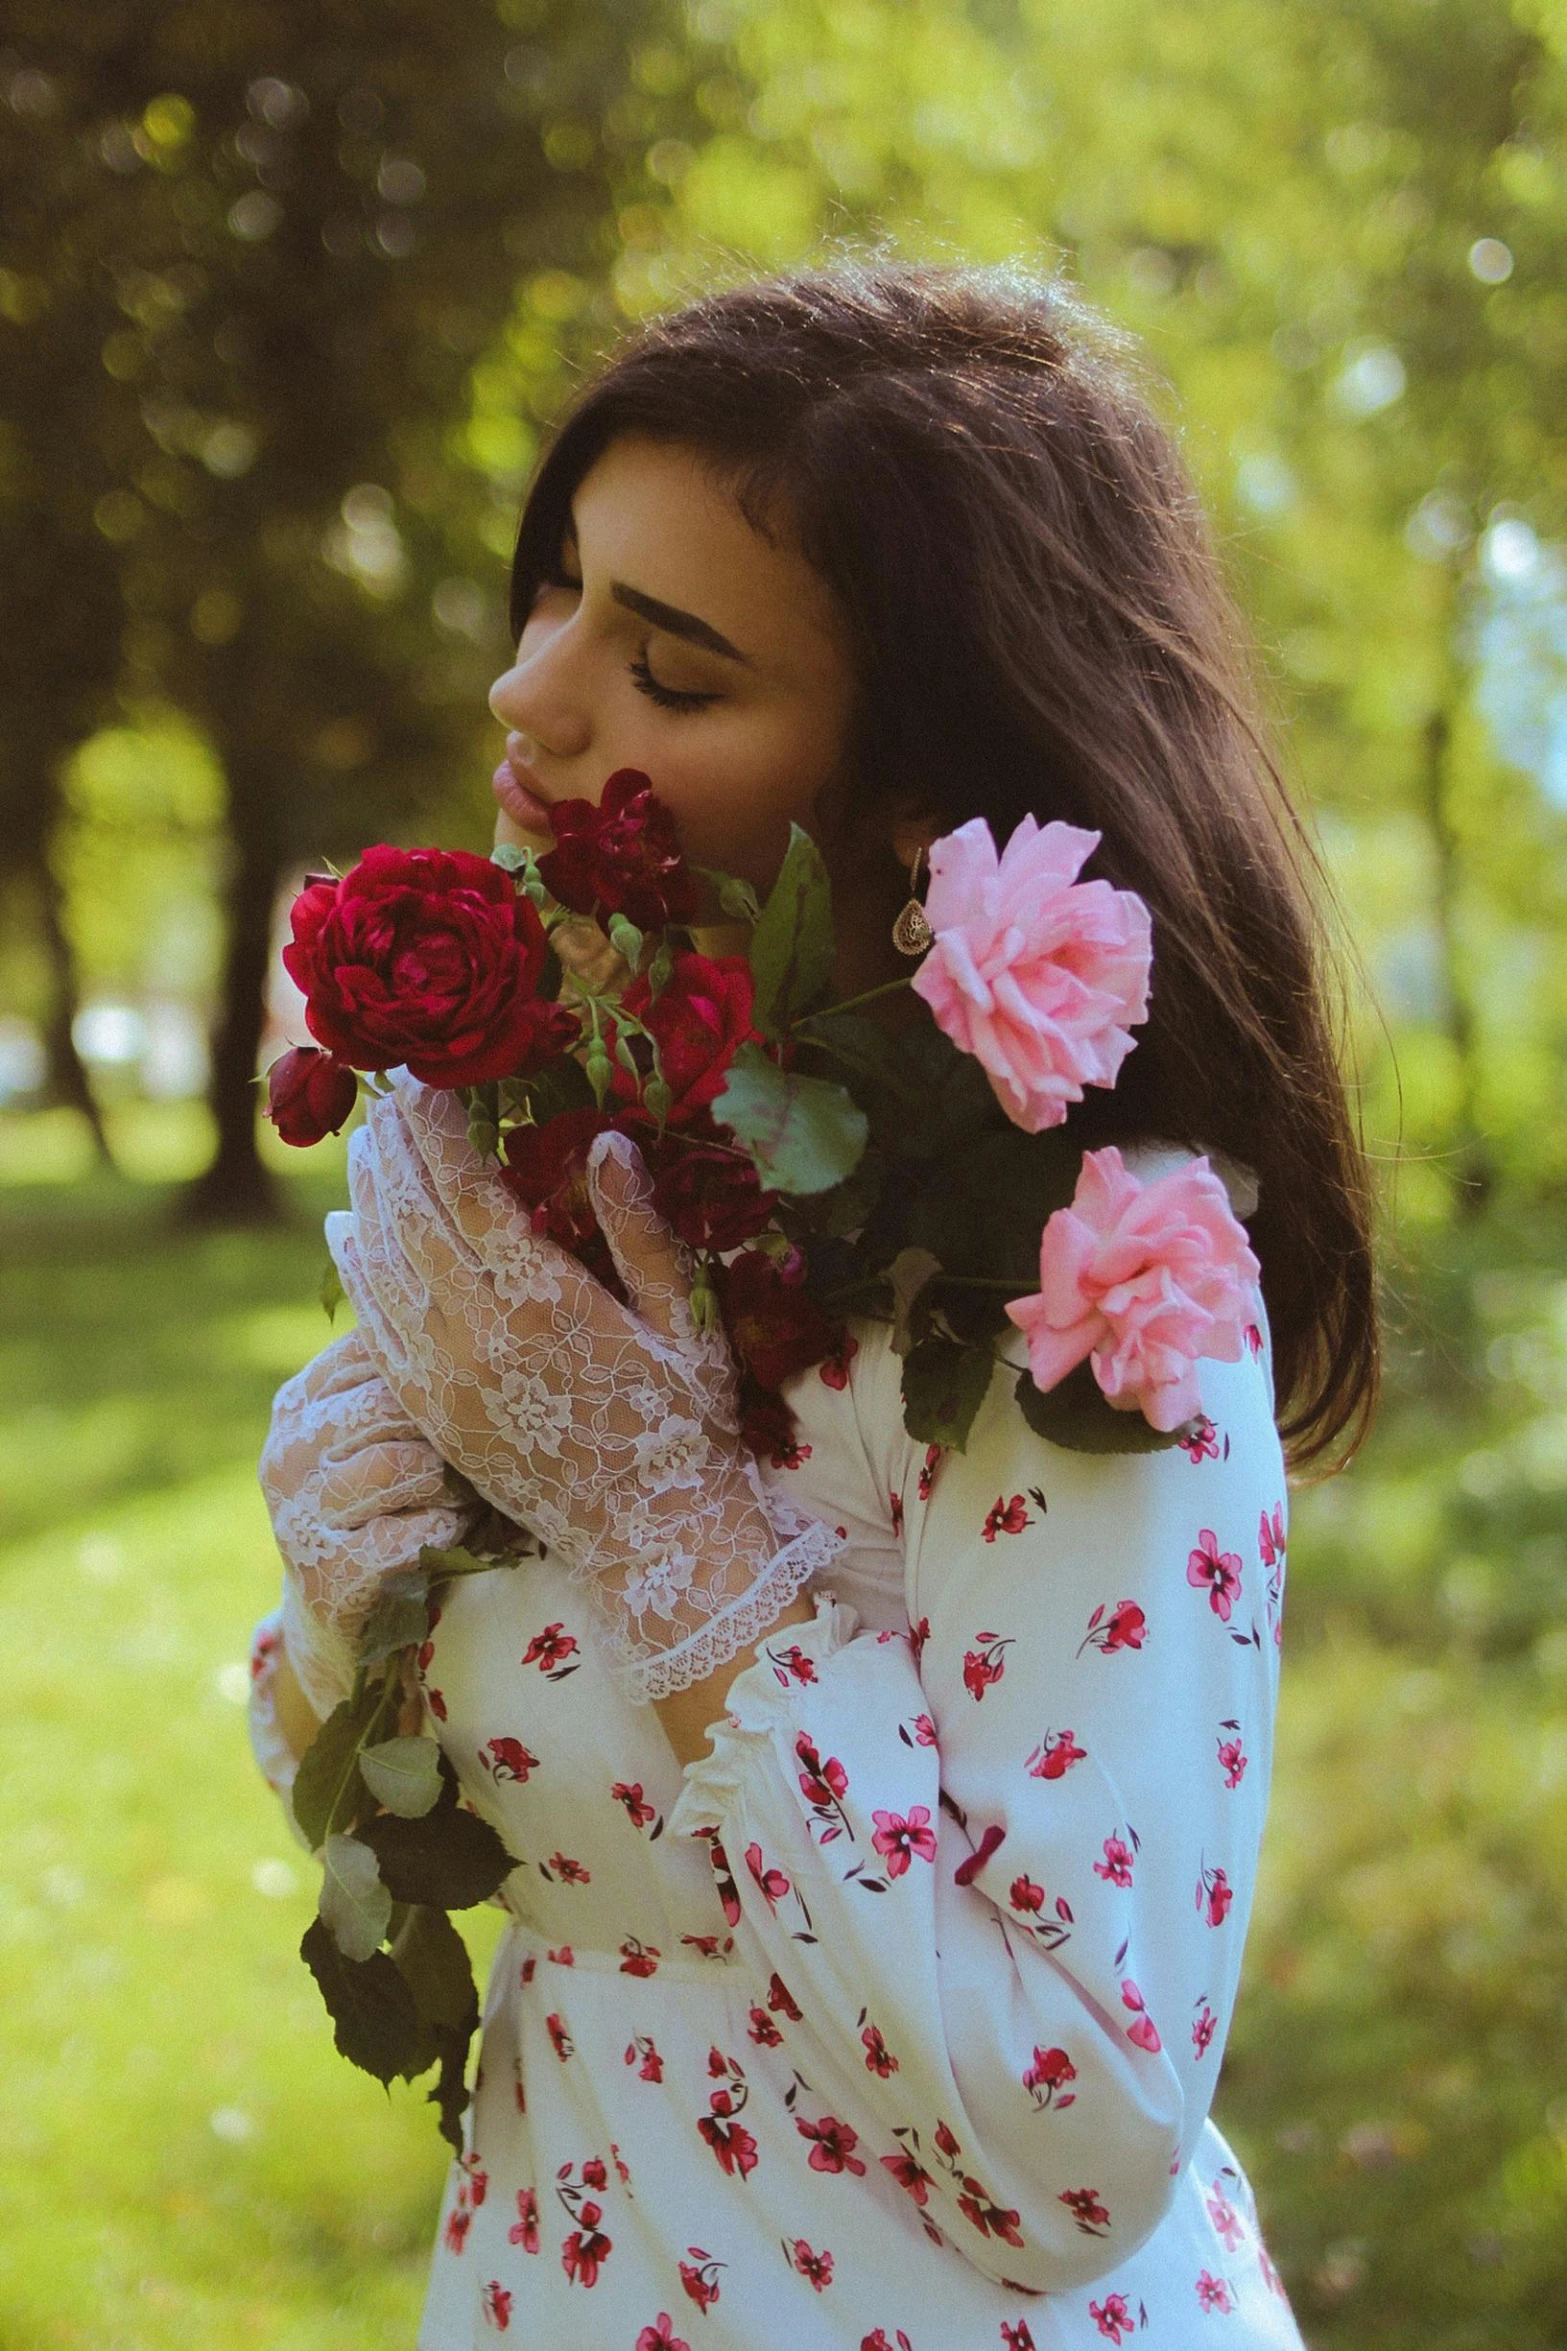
pixel 671 618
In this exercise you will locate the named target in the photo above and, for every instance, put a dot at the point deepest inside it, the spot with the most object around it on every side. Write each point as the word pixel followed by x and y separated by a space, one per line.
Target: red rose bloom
pixel 712 1199
pixel 547 1170
pixel 619 855
pixel 699 1022
pixel 428 957
pixel 775 1326
pixel 309 1094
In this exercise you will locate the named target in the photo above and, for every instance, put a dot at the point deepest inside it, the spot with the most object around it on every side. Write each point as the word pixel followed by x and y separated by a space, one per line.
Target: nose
pixel 536 699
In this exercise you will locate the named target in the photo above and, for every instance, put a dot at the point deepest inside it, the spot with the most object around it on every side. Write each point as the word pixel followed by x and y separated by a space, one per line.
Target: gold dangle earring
pixel 911 933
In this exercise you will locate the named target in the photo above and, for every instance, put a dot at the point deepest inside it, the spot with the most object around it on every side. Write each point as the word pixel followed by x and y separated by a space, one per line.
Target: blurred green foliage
pixel 1337 227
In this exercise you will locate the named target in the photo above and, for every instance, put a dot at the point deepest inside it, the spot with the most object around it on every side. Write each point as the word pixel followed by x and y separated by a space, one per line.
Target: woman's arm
pixel 1000 1870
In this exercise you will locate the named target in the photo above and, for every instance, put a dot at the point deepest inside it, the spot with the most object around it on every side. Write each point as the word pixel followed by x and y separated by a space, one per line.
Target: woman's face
pixel 676 640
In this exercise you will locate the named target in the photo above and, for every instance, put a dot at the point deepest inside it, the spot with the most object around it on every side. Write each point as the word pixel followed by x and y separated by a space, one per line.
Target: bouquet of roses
pixel 817 1164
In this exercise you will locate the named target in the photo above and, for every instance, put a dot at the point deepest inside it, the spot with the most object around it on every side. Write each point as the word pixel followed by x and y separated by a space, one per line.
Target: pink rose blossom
pixel 1144 1279
pixel 1038 975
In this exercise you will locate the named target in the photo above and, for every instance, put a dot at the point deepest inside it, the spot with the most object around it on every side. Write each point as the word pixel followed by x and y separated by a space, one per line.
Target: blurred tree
pixel 310 233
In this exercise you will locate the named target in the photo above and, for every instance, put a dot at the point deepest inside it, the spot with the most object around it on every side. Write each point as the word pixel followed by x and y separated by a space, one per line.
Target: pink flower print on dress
pixel 524 2230
pixel 984 1664
pixel 560 2040
pixel 834 2144
pixel 895 1509
pixel 723 1878
pixel 661 2336
pixel 1214 1894
pixel 1112 2316
pixel 1216 1572
pixel 628 1794
pixel 1231 2229
pixel 879 2340
pixel 1046 2078
pixel 1116 1867
pixel 1086 2210
pixel 1005 1518
pixel 979 2208
pixel 968 1870
pixel 772 1882
pixel 699 2276
pixel 637 1958
pixel 1204 2026
pixel 1026 1895
pixel 1015 2336
pixel 879 2059
pixel 586 2250
pixel 564 1957
pixel 928 1468
pixel 496 2303
pixel 550 1651
pixel 1201 1441
pixel 1232 1755
pixel 1038 975
pixel 1213 2293
pixel 569 1872
pixel 1142 2030
pixel 910 2175
pixel 1055 1755
pixel 815 2268
pixel 762 2030
pixel 824 1786
pixel 458 2222
pixel 791 1664
pixel 1122 1627
pixel 781 2000
pixel 478 2178
pixel 835 1371
pixel 899 1839
pixel 508 1760
pixel 1144 1279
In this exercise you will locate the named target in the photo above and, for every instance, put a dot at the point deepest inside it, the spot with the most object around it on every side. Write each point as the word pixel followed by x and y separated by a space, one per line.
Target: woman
pixel 869 1985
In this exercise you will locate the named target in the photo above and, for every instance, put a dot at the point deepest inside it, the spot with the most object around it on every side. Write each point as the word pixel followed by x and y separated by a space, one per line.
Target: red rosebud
pixel 428 957
pixel 619 855
pixel 309 1094
pixel 699 1021
pixel 775 1326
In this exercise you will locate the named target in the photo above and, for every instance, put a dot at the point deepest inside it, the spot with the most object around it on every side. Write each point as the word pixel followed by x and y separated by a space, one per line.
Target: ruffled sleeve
pixel 1002 1864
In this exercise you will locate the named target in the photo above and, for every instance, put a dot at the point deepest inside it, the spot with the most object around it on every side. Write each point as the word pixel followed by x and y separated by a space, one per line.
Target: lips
pixel 512 784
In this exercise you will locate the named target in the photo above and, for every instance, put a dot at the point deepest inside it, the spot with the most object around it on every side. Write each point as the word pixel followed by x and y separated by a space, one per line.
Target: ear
pixel 911 834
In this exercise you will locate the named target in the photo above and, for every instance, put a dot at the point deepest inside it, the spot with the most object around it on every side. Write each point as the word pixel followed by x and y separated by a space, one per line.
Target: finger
pixel 656 1268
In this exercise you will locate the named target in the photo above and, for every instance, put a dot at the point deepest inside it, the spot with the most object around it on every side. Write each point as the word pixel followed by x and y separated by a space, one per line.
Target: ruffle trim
pixel 660 1673
pixel 758 1704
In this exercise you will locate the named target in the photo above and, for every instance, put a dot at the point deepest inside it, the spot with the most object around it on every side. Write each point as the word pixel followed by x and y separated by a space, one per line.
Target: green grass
pixel 185 2162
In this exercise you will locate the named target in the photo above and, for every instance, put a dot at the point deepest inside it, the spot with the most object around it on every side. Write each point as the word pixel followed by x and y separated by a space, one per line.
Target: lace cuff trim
pixel 737 1625
pixel 759 1702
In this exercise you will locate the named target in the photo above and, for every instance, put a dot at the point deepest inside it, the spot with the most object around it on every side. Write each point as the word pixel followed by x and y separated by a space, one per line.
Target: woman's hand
pixel 610 1430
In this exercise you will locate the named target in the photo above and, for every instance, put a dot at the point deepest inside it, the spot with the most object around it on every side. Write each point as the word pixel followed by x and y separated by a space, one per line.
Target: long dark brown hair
pixel 970 460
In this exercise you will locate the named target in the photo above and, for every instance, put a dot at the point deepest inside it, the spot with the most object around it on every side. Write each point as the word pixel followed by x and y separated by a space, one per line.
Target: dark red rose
pixel 767 1422
pixel 700 1021
pixel 775 1326
pixel 547 1170
pixel 309 1094
pixel 429 957
pixel 712 1198
pixel 619 855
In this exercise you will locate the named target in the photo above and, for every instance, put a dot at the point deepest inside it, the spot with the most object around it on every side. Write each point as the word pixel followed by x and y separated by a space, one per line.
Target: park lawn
pixel 184 2160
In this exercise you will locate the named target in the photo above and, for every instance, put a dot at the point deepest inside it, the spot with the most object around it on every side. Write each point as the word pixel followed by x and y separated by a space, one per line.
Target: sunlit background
pixel 288 295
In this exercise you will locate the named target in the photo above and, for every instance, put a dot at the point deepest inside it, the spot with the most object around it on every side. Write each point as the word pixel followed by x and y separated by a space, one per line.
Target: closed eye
pixel 667 697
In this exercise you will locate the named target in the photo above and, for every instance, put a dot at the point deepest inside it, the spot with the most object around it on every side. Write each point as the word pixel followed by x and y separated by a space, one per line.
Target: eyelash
pixel 667 697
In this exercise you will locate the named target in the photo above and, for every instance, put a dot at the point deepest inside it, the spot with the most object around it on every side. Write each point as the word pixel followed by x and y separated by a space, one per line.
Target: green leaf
pixel 456 1561
pixel 449 1858
pixel 944 1386
pixel 433 1960
pixel 354 1903
pixel 328 1780
pixel 791 951
pixel 910 1273
pixel 376 2023
pixel 404 1775
pixel 805 1134
pixel 332 1293
pixel 1077 1415
pixel 399 1619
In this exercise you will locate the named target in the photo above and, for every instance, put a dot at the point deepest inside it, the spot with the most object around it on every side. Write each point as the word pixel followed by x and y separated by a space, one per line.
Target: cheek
pixel 737 792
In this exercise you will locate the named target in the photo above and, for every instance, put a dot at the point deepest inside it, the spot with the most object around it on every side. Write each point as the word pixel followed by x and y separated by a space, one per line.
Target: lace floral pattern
pixel 610 1430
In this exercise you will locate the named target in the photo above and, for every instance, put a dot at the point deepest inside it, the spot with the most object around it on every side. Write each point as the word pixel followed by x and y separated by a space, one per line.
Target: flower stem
pixel 852 1003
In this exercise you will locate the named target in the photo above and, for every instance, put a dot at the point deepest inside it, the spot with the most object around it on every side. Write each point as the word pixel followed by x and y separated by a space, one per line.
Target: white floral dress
pixel 895 2021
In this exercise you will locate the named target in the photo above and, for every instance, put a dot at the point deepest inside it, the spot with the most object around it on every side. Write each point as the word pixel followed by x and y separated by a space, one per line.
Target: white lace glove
pixel 609 1430
pixel 353 1489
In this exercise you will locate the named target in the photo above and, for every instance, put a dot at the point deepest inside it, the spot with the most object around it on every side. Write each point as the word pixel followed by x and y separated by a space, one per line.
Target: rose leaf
pixel 1077 1415
pixel 376 2022
pixel 944 1386
pixel 449 1858
pixel 404 1775
pixel 791 951
pixel 354 1903
pixel 910 1273
pixel 329 1768
pixel 804 1134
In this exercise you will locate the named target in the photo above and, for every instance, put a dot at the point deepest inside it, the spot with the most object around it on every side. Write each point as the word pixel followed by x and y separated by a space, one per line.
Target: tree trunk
pixel 1473 1173
pixel 237 1188
pixel 68 1078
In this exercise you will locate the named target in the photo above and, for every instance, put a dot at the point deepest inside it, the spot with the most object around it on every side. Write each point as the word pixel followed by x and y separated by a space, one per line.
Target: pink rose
pixel 1036 974
pixel 1144 1278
